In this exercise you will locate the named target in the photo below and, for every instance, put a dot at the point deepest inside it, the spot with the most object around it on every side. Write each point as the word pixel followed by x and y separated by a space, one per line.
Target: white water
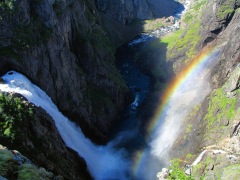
pixel 161 31
pixel 103 161
pixel 199 158
pixel 194 89
pixel 191 92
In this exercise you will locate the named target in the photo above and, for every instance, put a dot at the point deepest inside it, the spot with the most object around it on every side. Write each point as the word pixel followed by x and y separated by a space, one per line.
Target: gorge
pixel 120 113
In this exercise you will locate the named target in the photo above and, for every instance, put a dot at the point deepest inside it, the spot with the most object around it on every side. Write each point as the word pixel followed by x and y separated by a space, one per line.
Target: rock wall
pixel 37 138
pixel 214 123
pixel 61 46
pixel 127 11
pixel 221 23
pixel 16 166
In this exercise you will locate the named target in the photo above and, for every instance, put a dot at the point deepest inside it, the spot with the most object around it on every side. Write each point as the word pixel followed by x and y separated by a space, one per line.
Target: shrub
pixel 12 113
pixel 176 172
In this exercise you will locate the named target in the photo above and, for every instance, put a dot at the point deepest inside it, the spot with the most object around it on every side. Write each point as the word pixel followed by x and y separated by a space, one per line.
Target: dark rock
pixel 127 11
pixel 42 144
pixel 62 47
pixel 216 18
pixel 14 166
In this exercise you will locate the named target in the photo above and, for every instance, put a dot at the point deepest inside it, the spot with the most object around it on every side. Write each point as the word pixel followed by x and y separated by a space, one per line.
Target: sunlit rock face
pixel 128 10
pixel 219 27
pixel 62 47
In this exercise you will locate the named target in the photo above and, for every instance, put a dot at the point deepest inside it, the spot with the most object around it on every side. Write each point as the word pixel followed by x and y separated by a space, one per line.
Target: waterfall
pixel 104 162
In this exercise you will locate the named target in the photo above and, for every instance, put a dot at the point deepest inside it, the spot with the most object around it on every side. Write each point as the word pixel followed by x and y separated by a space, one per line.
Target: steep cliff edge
pixel 213 124
pixel 61 46
pixel 14 165
pixel 218 113
pixel 30 130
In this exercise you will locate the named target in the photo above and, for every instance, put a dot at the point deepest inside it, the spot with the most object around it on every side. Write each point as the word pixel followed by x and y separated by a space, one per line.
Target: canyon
pixel 74 51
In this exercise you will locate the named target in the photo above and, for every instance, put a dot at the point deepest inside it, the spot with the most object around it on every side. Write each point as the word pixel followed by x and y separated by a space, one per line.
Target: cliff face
pixel 32 131
pixel 15 166
pixel 128 10
pixel 61 46
pixel 213 118
pixel 125 11
pixel 214 123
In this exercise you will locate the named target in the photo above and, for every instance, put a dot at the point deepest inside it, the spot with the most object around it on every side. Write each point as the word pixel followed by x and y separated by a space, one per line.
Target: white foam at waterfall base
pixel 103 161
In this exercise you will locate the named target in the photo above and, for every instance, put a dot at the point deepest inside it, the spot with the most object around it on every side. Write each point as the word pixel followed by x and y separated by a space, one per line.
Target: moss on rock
pixel 231 172
pixel 6 163
pixel 28 171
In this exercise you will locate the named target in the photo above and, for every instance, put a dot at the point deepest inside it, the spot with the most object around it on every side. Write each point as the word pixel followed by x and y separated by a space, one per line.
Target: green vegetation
pixel 12 113
pixel 186 39
pixel 220 107
pixel 171 39
pixel 9 4
pixel 176 172
pixel 6 164
pixel 192 113
pixel 231 172
pixel 198 169
pixel 28 171
pixel 198 5
pixel 188 120
pixel 11 169
pixel 195 110
pixel 153 24
pixel 188 16
pixel 226 8
pixel 189 128
pixel 6 7
pixel 33 33
pixel 189 156
pixel 22 35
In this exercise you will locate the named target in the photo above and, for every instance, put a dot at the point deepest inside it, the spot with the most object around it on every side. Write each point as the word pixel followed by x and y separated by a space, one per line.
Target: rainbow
pixel 204 56
pixel 177 82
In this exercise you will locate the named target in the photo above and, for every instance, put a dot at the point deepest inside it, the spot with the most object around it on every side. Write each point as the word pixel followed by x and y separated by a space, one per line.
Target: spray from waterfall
pixel 186 90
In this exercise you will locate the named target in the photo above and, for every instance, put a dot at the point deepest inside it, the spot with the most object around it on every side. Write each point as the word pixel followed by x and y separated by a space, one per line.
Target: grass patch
pixel 220 107
pixel 6 163
pixel 226 8
pixel 171 39
pixel 199 4
pixel 153 24
pixel 28 171
pixel 186 39
pixel 176 172
pixel 189 156
pixel 183 39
